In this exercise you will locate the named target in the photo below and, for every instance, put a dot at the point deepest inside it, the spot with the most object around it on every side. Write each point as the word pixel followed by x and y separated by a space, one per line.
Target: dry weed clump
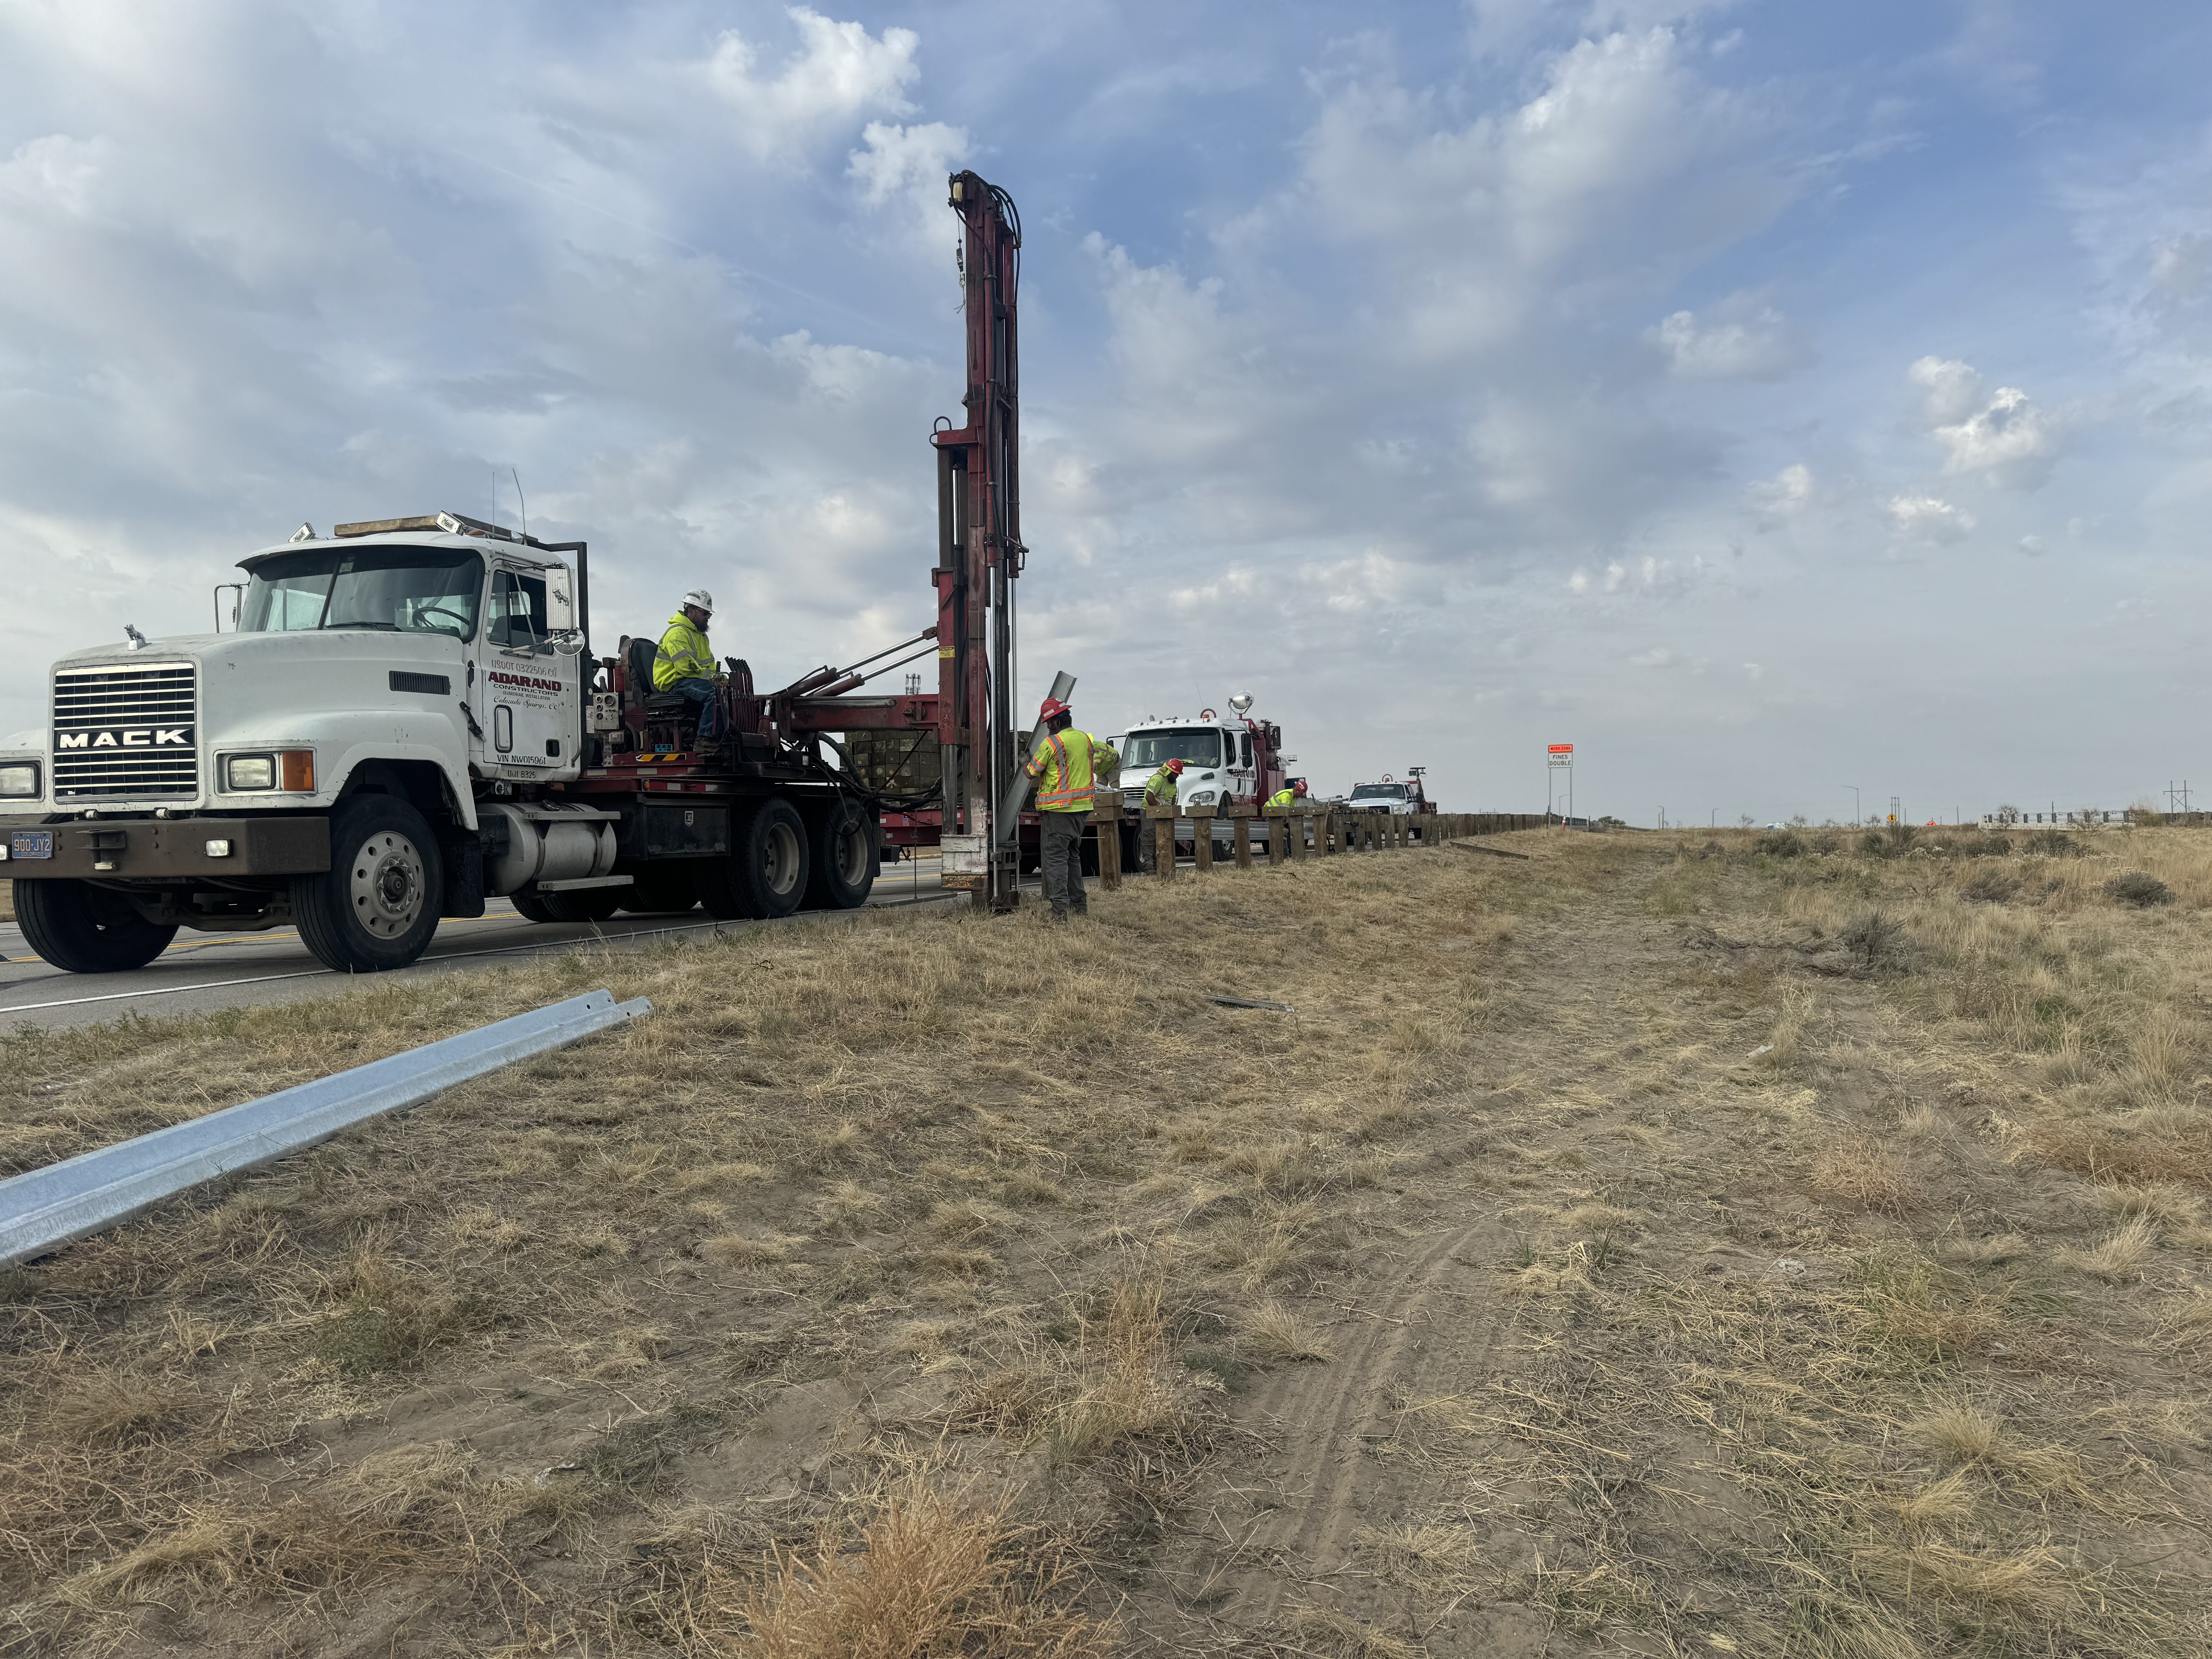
pixel 1277 1332
pixel 1112 1387
pixel 2139 888
pixel 919 1574
pixel 2142 1147
pixel 1859 1174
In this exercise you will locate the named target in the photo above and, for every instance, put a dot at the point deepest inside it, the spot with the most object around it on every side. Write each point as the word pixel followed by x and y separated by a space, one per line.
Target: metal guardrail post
pixel 47 1208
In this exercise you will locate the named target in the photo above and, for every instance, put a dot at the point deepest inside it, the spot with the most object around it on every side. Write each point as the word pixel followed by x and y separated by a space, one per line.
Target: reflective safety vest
pixel 685 654
pixel 1063 770
pixel 1162 788
pixel 1283 798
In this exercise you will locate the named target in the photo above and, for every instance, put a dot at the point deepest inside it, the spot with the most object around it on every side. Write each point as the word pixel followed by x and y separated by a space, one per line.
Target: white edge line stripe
pixel 427 961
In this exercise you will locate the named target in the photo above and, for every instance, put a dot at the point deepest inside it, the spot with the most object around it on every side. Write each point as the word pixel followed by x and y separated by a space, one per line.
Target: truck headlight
pixel 244 773
pixel 292 770
pixel 1203 798
pixel 19 780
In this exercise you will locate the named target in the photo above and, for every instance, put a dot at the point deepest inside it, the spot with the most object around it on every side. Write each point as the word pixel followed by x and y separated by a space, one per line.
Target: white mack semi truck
pixel 405 720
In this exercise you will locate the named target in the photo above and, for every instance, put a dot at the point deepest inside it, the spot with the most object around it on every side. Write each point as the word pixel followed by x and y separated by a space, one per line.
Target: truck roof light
pixel 453 524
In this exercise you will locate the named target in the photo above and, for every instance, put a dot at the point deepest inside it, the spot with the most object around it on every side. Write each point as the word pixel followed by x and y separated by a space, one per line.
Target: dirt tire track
pixel 1327 1417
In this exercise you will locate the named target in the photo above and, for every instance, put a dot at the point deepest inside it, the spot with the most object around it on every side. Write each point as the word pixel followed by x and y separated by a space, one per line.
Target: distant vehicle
pixel 1400 799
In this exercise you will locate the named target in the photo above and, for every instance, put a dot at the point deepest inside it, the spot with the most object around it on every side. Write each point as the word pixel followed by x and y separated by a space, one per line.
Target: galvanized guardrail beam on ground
pixel 47 1208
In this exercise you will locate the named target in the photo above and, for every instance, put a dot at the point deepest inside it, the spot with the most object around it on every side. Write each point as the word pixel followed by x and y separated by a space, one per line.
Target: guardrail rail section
pixel 1291 834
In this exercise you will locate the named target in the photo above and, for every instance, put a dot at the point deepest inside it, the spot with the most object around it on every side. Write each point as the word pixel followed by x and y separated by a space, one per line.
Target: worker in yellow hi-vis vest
pixel 1063 766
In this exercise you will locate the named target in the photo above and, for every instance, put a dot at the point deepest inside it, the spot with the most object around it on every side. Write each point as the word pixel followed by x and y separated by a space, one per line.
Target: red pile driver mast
pixel 980 553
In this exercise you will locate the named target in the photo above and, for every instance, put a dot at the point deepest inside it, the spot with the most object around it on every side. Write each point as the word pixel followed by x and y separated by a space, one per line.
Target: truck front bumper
pixel 166 849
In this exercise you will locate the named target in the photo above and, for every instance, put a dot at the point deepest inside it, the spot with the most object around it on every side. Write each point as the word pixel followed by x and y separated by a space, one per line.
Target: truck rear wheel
pixel 377 906
pixel 843 858
pixel 83 929
pixel 765 875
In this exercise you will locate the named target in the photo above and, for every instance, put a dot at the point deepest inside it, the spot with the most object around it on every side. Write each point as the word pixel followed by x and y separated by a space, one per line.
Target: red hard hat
pixel 1300 786
pixel 1175 766
pixel 1051 706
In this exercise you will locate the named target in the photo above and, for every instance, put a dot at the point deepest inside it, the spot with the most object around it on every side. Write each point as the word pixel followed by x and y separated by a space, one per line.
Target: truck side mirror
pixel 560 601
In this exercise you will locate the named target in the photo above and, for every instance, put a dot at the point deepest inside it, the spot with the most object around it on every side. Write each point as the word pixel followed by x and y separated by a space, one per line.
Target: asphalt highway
pixel 203 972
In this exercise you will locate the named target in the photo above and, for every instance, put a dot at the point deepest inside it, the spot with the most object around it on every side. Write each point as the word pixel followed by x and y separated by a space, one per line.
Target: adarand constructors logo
pixel 525 682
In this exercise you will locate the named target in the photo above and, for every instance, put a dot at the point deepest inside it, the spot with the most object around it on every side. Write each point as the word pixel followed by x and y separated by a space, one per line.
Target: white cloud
pixel 1954 388
pixel 1928 519
pixel 2010 441
pixel 840 72
pixel 1784 496
pixel 902 170
pixel 1745 339
pixel 2007 440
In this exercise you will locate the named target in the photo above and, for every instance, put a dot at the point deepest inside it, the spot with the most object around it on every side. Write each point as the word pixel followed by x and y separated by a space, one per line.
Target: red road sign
pixel 1562 749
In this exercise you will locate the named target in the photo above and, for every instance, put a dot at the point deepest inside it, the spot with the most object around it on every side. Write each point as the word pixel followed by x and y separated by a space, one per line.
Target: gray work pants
pixel 1060 843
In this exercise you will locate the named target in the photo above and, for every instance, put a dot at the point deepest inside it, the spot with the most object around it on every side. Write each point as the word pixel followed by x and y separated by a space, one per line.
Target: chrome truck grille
pixel 127 732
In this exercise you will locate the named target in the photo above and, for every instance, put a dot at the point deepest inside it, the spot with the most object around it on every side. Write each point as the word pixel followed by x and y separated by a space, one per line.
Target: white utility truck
pixel 1228 765
pixel 405 718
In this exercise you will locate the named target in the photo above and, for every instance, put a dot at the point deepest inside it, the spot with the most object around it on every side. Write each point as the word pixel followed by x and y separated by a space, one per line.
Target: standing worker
pixel 1162 788
pixel 1062 766
pixel 685 662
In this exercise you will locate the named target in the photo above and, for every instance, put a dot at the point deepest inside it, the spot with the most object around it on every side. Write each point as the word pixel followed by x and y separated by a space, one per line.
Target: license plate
pixel 30 843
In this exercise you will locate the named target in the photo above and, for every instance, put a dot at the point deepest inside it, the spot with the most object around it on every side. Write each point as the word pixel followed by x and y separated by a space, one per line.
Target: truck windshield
pixel 1194 746
pixel 1380 792
pixel 401 590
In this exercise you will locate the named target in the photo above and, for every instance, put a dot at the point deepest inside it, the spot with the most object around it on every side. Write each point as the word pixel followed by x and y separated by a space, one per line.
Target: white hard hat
pixel 702 597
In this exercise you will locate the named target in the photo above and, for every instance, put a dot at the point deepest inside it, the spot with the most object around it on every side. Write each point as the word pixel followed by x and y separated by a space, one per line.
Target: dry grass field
pixel 1769 1246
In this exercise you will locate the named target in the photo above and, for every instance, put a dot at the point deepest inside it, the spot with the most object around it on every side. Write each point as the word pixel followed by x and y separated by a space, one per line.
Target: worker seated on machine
pixel 685 663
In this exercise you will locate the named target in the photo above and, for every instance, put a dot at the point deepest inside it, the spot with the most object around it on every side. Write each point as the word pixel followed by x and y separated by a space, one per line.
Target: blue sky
pixel 1765 397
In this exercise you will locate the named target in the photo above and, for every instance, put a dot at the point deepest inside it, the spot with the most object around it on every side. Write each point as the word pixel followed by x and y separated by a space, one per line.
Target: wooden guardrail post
pixel 1276 838
pixel 1159 823
pixel 1324 833
pixel 1240 827
pixel 1201 838
pixel 1299 827
pixel 1108 820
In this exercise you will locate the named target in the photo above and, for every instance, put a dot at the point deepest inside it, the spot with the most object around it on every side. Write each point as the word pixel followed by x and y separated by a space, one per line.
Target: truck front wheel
pixel 83 929
pixel 377 905
pixel 765 875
